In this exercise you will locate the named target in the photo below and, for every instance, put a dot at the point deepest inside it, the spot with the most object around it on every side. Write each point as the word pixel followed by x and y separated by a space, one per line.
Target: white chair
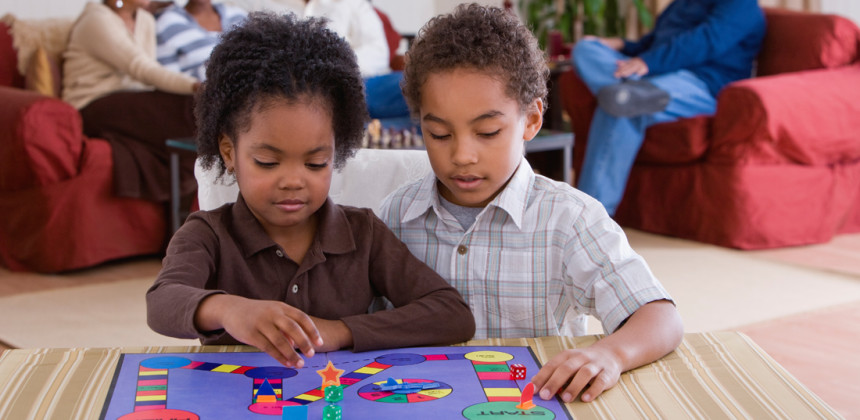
pixel 364 181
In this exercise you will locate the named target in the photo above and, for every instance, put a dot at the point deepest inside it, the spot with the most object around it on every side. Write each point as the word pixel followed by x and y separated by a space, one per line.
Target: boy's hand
pixel 590 370
pixel 273 327
pixel 634 66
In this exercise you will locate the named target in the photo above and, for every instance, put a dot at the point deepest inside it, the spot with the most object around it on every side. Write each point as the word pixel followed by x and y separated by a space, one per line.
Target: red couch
pixel 57 210
pixel 779 162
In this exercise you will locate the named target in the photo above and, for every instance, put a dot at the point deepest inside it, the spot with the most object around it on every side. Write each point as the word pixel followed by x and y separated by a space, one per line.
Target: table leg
pixel 174 192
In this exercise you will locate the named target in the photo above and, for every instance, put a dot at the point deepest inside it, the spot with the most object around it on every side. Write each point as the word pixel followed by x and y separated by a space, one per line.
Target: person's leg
pixel 384 97
pixel 614 142
pixel 137 124
pixel 595 64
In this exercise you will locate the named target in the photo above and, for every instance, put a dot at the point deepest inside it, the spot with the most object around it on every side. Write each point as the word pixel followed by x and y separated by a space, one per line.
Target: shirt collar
pixel 513 199
pixel 334 234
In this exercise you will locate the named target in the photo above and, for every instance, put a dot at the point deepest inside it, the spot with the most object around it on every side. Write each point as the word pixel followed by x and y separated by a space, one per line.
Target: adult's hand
pixel 633 66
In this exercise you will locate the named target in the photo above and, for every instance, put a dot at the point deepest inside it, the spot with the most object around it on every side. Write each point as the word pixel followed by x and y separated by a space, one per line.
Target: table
pixel 710 375
pixel 177 147
pixel 555 140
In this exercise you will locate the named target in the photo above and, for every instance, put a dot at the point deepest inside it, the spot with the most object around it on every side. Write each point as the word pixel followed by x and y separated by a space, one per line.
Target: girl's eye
pixel 490 135
pixel 317 166
pixel 264 164
pixel 438 137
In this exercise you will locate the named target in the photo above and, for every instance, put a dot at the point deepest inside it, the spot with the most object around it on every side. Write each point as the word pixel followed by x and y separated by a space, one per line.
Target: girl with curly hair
pixel 283 267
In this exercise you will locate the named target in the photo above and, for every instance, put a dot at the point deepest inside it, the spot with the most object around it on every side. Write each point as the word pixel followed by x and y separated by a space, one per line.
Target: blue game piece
pixel 295 412
pixel 332 412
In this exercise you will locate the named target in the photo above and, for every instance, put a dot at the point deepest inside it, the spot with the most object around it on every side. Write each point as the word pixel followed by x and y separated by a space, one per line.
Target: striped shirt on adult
pixel 183 45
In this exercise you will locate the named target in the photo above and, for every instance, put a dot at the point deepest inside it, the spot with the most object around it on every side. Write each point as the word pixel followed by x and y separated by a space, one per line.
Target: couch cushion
pixel 40 140
pixel 9 75
pixel 798 41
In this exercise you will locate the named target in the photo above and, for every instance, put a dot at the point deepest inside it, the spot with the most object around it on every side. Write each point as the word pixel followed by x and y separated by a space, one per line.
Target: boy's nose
pixel 463 152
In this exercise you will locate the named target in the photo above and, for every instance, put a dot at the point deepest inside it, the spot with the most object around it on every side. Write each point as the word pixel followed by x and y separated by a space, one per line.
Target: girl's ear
pixel 228 153
pixel 534 119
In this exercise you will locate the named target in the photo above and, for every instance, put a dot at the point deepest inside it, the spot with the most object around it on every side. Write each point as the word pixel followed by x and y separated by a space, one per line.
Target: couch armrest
pixel 808 118
pixel 41 139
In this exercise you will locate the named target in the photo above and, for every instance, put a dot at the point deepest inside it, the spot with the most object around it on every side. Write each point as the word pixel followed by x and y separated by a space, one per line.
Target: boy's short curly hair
pixel 487 39
pixel 271 57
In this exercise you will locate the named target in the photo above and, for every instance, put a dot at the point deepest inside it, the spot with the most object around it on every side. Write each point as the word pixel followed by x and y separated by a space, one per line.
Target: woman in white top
pixel 126 97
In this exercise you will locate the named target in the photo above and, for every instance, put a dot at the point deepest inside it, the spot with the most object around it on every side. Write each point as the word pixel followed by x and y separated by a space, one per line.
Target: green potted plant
pixel 574 18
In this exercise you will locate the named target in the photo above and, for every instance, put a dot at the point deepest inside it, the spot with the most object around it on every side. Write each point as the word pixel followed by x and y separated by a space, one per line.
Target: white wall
pixel 41 9
pixel 847 8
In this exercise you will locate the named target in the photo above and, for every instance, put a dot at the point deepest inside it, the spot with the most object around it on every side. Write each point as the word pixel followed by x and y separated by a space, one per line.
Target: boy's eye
pixel 263 164
pixel 438 136
pixel 489 135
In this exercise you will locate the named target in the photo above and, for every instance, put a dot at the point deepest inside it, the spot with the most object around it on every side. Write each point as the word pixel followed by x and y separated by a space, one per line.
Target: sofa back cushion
pixel 41 140
pixel 9 75
pixel 797 41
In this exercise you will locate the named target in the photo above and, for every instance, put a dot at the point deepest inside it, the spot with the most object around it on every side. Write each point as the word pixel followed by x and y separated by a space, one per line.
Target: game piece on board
pixel 265 393
pixel 295 412
pixel 332 412
pixel 330 375
pixel 333 393
pixel 406 388
pixel 526 398
pixel 518 371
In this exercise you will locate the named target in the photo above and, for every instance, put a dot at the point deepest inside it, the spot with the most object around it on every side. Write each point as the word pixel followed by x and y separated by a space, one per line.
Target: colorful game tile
pixel 295 412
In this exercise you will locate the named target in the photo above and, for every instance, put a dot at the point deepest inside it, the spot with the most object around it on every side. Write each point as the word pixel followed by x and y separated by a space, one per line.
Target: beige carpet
pixel 715 289
pixel 95 315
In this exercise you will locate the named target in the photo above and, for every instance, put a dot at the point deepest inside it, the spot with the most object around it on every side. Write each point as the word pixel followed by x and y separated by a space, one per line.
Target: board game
pixel 449 383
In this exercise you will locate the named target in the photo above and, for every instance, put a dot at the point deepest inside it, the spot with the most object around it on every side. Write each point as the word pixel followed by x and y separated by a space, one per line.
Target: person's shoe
pixel 632 98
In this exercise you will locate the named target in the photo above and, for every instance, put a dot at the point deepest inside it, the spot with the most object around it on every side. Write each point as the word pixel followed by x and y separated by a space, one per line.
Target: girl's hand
pixel 590 371
pixel 273 327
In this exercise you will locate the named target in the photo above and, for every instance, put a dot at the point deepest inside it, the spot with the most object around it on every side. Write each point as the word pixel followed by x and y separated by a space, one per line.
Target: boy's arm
pixel 652 331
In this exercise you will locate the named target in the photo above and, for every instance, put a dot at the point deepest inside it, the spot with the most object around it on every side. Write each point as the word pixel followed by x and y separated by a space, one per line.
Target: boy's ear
pixel 228 153
pixel 534 119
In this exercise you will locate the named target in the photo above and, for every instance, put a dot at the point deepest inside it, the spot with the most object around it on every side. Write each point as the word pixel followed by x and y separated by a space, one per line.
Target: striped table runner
pixel 711 375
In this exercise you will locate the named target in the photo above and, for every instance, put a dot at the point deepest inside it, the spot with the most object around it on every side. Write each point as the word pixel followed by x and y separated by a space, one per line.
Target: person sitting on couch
pixel 696 48
pixel 126 97
pixel 187 33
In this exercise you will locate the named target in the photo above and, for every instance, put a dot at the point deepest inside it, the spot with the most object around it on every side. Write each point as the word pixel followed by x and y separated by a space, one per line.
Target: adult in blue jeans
pixel 696 48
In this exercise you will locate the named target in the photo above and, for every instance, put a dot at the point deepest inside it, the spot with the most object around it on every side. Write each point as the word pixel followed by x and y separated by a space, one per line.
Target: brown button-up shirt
pixel 353 259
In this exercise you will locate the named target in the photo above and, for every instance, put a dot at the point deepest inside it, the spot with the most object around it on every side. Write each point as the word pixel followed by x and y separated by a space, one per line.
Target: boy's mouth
pixel 467 181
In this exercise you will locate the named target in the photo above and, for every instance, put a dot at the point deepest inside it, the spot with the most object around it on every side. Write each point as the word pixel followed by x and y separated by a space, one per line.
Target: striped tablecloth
pixel 710 376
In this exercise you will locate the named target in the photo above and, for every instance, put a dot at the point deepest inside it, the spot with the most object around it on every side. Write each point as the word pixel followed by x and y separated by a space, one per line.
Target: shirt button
pixel 295 288
pixel 462 249
pixel 280 253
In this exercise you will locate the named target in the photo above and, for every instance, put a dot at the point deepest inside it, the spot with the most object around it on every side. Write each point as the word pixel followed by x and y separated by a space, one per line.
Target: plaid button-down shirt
pixel 539 257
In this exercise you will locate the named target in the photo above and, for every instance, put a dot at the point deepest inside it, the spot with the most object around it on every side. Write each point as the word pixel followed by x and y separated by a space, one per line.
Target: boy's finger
pixel 600 383
pixel 583 376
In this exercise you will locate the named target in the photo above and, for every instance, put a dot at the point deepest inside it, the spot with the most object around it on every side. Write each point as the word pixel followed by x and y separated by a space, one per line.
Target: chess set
pixel 428 382
pixel 397 136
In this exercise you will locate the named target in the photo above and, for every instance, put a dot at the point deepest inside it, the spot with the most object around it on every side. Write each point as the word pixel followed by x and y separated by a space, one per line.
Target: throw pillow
pixel 43 74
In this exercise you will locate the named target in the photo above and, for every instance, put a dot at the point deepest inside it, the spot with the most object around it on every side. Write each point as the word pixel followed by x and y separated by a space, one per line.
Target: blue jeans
pixel 384 97
pixel 614 142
